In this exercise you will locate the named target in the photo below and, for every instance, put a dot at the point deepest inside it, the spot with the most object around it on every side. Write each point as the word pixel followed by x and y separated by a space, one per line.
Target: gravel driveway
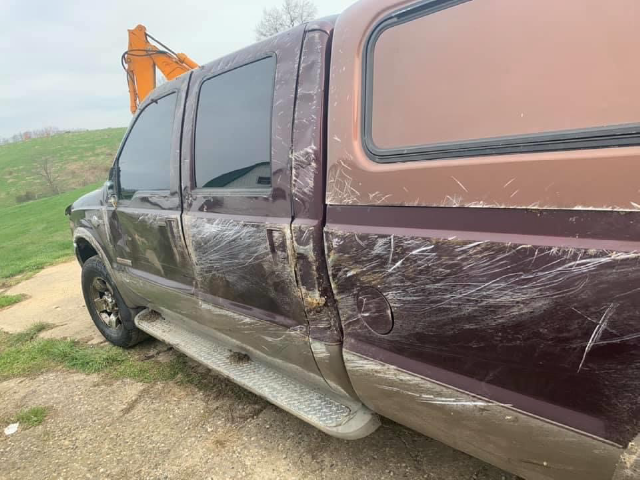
pixel 101 428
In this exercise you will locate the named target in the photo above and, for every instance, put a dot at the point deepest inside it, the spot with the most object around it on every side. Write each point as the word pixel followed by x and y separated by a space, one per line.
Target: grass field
pixel 77 159
pixel 36 234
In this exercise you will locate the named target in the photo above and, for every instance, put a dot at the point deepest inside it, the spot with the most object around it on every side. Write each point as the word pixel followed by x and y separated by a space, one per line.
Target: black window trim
pixel 238 191
pixel 585 138
pixel 116 163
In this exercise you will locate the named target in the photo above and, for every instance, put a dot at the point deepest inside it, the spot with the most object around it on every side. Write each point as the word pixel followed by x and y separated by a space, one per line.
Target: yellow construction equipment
pixel 141 60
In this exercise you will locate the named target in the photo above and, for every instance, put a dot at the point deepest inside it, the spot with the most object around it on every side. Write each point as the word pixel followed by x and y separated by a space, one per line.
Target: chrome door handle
pixel 165 222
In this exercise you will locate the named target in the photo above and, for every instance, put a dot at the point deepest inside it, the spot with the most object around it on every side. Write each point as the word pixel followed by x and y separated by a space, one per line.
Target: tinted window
pixel 145 157
pixel 501 68
pixel 233 128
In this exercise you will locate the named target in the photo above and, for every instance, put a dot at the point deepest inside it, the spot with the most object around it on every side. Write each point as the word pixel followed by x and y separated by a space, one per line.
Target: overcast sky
pixel 62 57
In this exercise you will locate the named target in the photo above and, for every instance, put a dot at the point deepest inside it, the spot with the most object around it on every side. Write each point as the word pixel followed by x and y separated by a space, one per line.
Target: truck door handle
pixel 165 222
pixel 277 245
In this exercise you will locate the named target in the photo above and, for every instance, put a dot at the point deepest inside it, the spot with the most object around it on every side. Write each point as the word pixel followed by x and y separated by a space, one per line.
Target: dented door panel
pixel 545 323
pixel 145 230
pixel 237 236
pixel 244 264
pixel 240 241
pixel 308 166
pixel 309 183
pixel 149 236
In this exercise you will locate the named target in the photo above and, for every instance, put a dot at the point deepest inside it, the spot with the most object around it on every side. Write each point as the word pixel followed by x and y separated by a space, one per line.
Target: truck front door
pixel 145 223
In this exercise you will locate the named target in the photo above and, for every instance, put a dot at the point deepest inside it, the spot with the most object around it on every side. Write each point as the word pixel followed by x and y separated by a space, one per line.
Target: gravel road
pixel 106 429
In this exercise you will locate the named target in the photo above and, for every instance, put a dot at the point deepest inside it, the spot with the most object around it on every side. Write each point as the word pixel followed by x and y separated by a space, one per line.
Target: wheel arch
pixel 85 243
pixel 84 250
pixel 86 246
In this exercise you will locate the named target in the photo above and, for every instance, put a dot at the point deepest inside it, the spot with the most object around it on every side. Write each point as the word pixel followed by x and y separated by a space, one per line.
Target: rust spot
pixel 313 302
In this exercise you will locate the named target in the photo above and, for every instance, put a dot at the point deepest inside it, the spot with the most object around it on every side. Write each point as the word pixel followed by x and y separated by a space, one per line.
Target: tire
pixel 107 308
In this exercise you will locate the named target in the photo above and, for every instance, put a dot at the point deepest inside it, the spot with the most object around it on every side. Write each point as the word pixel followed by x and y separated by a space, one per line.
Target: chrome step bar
pixel 339 417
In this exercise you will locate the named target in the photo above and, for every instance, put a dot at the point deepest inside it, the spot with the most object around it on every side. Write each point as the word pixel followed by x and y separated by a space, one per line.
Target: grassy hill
pixel 36 234
pixel 78 159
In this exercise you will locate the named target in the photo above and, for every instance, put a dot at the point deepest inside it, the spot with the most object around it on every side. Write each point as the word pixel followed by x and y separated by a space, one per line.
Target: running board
pixel 338 417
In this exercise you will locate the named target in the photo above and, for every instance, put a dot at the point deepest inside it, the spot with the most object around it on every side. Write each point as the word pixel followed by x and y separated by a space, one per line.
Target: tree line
pixel 38 133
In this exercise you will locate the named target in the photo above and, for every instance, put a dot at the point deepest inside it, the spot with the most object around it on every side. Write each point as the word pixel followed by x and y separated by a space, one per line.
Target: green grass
pixel 36 234
pixel 32 417
pixel 24 354
pixel 78 159
pixel 6 300
pixel 25 336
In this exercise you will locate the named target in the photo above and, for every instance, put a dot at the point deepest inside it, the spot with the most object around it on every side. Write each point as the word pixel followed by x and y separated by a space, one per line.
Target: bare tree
pixel 45 168
pixel 288 15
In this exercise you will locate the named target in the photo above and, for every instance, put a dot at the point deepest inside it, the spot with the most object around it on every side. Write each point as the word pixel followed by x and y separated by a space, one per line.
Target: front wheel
pixel 107 309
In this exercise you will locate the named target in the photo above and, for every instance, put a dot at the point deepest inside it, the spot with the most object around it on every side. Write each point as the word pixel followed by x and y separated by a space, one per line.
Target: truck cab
pixel 425 211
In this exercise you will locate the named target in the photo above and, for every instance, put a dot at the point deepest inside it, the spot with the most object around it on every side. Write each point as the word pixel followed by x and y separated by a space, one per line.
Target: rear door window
pixel 233 128
pixel 144 162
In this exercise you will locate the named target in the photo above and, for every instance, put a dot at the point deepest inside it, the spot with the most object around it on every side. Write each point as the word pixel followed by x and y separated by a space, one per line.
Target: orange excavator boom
pixel 141 60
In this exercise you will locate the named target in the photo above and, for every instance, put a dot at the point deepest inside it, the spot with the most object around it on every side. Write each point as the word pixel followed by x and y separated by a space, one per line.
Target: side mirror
pixel 110 190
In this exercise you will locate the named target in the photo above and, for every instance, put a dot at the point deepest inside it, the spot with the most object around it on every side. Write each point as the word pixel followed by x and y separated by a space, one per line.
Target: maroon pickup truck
pixel 428 211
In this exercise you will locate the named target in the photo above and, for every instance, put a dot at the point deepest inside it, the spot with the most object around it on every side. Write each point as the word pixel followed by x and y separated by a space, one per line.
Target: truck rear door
pixel 237 205
pixel 483 224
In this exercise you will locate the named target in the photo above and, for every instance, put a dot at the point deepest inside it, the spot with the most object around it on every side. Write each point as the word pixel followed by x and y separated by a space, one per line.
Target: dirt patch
pixel 124 429
pixel 237 358
pixel 54 296
pixel 99 427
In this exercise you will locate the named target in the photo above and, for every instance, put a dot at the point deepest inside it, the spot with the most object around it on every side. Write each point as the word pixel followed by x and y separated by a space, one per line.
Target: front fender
pixel 83 234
